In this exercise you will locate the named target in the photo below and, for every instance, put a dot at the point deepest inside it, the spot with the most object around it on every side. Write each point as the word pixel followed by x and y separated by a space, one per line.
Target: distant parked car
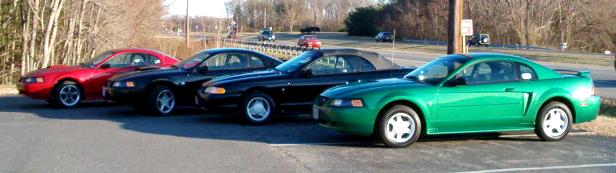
pixel 310 30
pixel 479 40
pixel 66 86
pixel 231 35
pixel 384 36
pixel 309 41
pixel 267 35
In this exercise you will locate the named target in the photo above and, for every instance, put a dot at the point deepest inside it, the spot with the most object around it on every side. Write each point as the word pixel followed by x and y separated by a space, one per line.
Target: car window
pixel 256 62
pixel 123 60
pixel 360 64
pixel 330 65
pixel 226 61
pixel 526 69
pixel 489 72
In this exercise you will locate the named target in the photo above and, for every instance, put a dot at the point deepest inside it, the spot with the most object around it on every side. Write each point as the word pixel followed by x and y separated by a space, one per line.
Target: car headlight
pixel 125 84
pixel 356 103
pixel 214 90
pixel 34 80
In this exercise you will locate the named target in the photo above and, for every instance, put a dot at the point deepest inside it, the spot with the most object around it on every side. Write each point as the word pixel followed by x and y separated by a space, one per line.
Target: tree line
pixel 585 25
pixel 35 34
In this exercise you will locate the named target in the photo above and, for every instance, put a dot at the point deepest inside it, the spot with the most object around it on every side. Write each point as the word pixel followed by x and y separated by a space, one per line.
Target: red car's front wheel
pixel 67 94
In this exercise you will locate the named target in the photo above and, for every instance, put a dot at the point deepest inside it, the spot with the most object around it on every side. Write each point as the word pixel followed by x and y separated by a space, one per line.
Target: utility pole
pixel 454 35
pixel 265 17
pixel 187 29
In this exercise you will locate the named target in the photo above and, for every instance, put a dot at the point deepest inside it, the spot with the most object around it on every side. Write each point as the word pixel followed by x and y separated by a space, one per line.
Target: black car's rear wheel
pixel 553 122
pixel 258 108
pixel 400 126
pixel 67 94
pixel 161 101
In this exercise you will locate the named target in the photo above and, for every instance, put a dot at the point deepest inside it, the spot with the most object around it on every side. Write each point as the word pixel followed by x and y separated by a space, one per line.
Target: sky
pixel 215 8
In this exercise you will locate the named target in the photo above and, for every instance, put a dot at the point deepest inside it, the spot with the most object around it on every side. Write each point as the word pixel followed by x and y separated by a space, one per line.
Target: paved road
pixel 604 77
pixel 102 137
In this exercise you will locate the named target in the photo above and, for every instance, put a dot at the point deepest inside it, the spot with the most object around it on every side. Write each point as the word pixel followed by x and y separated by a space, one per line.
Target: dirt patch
pixel 8 90
pixel 603 125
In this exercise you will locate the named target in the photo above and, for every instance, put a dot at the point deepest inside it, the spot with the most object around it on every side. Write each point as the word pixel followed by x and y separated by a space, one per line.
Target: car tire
pixel 553 122
pixel 161 100
pixel 257 108
pixel 68 94
pixel 392 123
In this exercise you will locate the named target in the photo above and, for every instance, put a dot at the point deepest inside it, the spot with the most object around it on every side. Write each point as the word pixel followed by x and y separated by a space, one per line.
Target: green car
pixel 471 93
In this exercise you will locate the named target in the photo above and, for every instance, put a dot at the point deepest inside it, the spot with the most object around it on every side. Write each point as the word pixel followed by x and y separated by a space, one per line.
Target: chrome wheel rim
pixel 555 122
pixel 69 95
pixel 165 101
pixel 258 109
pixel 400 128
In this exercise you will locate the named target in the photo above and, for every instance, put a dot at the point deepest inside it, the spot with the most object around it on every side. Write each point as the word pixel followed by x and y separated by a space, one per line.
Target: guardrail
pixel 267 47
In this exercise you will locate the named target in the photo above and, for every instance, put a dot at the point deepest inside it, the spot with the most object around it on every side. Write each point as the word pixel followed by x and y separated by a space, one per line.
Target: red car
pixel 67 86
pixel 309 41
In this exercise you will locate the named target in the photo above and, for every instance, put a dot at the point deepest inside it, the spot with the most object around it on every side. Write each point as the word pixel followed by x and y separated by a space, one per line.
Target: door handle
pixel 509 89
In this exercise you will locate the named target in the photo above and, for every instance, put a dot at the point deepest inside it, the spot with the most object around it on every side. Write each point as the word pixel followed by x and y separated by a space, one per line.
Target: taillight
pixel 592 91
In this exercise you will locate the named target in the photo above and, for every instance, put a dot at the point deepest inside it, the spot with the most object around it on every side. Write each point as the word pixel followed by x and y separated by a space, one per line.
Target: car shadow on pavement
pixel 191 123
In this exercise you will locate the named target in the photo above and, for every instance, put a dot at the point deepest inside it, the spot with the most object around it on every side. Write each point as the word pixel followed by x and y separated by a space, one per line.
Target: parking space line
pixel 532 135
pixel 545 168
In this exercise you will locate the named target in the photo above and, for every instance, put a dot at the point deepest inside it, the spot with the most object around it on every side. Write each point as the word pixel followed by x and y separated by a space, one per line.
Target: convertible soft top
pixel 379 62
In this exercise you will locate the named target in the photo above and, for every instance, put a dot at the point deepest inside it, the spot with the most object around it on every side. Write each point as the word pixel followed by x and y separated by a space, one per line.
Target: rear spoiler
pixel 573 72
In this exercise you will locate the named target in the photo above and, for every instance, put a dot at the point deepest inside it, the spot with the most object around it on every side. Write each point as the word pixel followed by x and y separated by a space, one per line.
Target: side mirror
pixel 306 73
pixel 104 66
pixel 456 82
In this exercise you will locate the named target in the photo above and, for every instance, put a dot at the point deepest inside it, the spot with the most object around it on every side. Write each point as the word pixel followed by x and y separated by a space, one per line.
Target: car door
pixel 124 62
pixel 324 73
pixel 487 100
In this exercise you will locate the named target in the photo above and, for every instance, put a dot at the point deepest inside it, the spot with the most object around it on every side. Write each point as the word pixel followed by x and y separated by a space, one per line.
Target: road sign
pixel 467 27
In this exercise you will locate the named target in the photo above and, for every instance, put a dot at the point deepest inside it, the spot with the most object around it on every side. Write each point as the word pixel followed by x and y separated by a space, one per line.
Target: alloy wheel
pixel 400 128
pixel 555 122
pixel 69 95
pixel 258 109
pixel 165 101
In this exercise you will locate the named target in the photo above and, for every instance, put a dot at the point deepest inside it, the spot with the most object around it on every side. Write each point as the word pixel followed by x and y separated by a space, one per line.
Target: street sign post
pixel 466 30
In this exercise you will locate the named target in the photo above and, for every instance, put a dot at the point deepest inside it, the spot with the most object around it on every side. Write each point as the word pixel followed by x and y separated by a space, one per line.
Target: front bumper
pixel 35 90
pixel 358 121
pixel 123 95
pixel 218 101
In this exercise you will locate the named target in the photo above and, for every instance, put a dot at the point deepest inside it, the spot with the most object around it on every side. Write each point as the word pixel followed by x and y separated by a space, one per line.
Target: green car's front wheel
pixel 400 126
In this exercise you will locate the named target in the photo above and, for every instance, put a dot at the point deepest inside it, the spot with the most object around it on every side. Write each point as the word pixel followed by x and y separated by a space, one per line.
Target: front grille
pixel 322 100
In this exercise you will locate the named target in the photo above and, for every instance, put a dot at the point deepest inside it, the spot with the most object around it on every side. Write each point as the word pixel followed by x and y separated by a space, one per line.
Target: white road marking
pixel 544 168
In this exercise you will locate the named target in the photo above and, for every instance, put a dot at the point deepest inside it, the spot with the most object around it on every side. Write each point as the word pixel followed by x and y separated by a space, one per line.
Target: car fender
pixel 535 104
pixel 407 97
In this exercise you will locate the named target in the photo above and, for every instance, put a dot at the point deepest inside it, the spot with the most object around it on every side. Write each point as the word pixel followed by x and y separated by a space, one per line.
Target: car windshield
pixel 97 59
pixel 267 32
pixel 192 61
pixel 437 70
pixel 297 62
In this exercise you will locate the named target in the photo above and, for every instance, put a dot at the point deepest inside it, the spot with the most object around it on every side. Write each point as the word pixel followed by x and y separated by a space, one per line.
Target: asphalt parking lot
pixel 103 137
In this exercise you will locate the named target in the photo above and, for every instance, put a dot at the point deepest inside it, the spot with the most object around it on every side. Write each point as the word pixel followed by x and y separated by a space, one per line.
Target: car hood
pixel 156 73
pixel 382 85
pixel 251 76
pixel 55 70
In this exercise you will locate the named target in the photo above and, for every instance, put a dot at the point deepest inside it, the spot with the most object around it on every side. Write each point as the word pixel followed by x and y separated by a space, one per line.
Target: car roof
pixel 374 58
pixel 140 50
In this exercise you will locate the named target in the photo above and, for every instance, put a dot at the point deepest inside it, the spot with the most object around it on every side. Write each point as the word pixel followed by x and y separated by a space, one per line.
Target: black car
pixel 160 91
pixel 292 86
pixel 384 36
pixel 266 35
pixel 479 40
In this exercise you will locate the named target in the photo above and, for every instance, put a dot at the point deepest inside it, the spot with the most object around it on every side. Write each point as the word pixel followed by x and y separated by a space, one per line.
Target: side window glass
pixel 236 61
pixel 323 65
pixel 138 60
pixel 359 64
pixel 527 73
pixel 491 72
pixel 256 62
pixel 123 60
pixel 216 62
pixel 151 59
